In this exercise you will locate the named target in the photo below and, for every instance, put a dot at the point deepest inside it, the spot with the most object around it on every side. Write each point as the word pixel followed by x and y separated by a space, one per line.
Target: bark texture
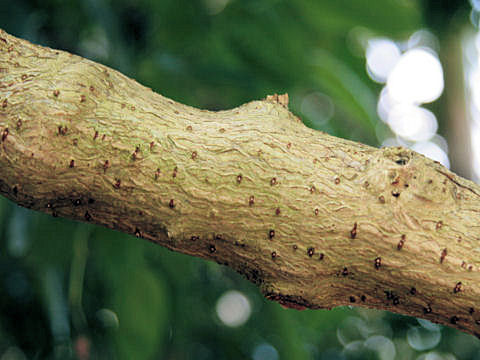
pixel 314 220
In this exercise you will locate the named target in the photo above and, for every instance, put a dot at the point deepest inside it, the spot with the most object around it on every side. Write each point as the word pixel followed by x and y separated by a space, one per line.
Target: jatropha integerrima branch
pixel 313 220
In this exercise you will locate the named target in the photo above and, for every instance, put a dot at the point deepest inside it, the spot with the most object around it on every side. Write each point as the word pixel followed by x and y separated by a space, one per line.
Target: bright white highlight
pixel 412 122
pixel 382 56
pixel 233 308
pixel 432 151
pixel 385 104
pixel 471 52
pixel 474 81
pixel 417 77
pixel 412 78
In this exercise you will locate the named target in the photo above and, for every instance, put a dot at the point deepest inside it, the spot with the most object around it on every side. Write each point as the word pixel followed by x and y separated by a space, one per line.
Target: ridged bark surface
pixel 314 220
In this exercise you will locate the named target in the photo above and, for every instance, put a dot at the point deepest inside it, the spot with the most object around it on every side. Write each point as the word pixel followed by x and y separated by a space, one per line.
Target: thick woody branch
pixel 314 220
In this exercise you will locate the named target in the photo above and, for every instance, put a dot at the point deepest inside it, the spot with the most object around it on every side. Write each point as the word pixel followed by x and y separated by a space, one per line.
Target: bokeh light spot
pixel 421 339
pixel 351 329
pixel 382 56
pixel 233 308
pixel 412 122
pixel 265 352
pixel 429 325
pixel 108 318
pixel 382 345
pixel 434 355
pixel 417 77
pixel 318 107
pixel 423 38
pixel 432 151
pixel 215 7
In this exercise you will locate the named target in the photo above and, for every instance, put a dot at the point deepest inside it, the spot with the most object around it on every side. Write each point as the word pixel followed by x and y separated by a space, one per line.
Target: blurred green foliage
pixel 70 290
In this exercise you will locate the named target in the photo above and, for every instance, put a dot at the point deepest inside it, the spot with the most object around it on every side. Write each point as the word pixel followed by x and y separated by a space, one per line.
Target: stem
pixel 314 220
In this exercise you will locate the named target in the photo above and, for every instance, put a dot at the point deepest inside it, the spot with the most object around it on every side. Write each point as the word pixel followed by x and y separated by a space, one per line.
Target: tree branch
pixel 314 220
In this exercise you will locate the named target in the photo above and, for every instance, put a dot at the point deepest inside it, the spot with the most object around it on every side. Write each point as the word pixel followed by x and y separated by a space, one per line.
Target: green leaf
pixel 137 294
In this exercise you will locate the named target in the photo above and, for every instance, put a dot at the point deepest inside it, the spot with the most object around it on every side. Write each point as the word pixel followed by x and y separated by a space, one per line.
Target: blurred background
pixel 383 72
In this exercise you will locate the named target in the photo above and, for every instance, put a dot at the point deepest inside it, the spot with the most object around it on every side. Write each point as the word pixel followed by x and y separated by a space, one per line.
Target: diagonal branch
pixel 314 220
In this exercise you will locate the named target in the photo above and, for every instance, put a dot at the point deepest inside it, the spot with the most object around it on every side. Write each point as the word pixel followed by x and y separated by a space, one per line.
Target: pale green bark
pixel 314 220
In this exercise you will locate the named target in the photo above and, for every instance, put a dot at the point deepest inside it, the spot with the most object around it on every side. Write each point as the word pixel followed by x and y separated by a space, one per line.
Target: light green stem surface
pixel 314 220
